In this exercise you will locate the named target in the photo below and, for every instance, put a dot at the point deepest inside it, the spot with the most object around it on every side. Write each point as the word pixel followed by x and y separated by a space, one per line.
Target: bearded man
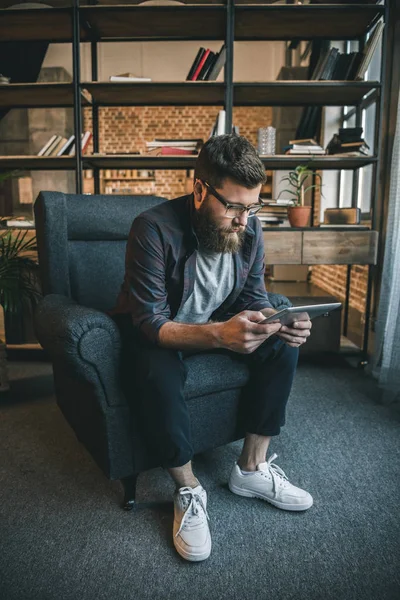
pixel 194 282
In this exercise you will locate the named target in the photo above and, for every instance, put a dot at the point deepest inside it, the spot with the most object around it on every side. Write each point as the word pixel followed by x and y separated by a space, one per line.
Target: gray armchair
pixel 81 246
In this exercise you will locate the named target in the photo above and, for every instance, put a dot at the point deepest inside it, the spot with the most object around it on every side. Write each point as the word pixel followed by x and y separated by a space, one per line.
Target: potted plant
pixel 298 213
pixel 18 286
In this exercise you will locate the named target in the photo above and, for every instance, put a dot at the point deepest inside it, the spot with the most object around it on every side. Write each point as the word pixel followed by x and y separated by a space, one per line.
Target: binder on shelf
pixel 206 67
pixel 218 65
pixel 195 64
pixel 200 65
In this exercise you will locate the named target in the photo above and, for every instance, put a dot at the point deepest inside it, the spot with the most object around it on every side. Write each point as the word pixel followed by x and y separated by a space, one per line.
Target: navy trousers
pixel 159 376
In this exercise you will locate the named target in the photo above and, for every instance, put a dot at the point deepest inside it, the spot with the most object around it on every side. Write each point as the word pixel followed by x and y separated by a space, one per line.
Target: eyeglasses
pixel 234 210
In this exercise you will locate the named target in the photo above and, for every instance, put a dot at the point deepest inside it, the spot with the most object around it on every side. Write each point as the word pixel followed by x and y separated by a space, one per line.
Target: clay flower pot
pixel 299 216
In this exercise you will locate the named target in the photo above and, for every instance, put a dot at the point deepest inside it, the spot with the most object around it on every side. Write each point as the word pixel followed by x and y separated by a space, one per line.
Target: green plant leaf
pixel 18 273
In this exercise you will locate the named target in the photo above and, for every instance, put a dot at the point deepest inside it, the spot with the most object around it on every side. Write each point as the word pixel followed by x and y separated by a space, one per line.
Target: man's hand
pixel 297 332
pixel 244 333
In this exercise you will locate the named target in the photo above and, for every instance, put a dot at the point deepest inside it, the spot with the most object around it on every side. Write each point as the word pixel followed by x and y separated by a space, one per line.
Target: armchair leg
pixel 129 484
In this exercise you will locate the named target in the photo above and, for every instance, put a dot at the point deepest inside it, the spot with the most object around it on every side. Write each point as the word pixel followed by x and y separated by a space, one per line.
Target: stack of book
pixel 207 65
pixel 174 147
pixel 274 213
pixel 333 65
pixel 128 78
pixel 348 142
pixel 339 66
pixel 306 146
pixel 58 145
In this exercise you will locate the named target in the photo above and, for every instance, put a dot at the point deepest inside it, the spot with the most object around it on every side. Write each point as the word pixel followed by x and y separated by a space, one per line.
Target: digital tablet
pixel 296 313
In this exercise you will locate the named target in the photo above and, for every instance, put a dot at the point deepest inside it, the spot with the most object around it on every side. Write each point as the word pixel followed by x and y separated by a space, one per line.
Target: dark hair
pixel 230 156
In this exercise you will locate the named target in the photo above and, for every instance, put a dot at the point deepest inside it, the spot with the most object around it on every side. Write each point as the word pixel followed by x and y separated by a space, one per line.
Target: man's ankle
pixel 192 483
pixel 247 466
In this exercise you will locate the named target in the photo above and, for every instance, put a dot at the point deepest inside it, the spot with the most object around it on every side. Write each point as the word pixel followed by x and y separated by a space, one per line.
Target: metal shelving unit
pixel 225 22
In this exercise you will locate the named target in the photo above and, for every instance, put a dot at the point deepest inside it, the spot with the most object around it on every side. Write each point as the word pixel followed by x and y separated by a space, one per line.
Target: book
pixel 52 146
pixel 195 63
pixel 47 145
pixel 56 148
pixel 306 147
pixel 66 146
pixel 306 142
pixel 206 67
pixel 320 66
pixel 126 77
pixel 86 140
pixel 305 151
pixel 340 225
pixel 175 142
pixel 330 65
pixel 369 50
pixel 345 132
pixel 171 151
pixel 20 223
pixel 340 66
pixel 218 65
pixel 357 144
pixel 200 65
pixel 72 149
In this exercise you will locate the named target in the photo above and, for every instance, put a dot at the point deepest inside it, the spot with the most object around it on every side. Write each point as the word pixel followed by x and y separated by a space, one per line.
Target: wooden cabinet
pixel 316 247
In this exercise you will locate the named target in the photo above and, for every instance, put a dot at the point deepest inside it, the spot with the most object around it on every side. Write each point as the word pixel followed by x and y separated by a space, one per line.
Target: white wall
pixel 169 61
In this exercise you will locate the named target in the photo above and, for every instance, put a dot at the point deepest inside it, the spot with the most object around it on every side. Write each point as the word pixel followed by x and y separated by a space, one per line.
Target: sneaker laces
pixel 277 473
pixel 194 505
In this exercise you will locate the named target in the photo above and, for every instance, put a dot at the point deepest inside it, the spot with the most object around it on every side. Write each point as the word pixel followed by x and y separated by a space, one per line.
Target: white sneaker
pixel 269 483
pixel 192 538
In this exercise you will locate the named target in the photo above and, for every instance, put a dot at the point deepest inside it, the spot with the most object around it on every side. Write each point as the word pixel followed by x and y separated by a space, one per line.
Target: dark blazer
pixel 160 267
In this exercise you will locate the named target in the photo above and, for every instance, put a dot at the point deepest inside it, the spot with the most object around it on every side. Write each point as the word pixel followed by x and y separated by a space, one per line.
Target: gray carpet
pixel 63 535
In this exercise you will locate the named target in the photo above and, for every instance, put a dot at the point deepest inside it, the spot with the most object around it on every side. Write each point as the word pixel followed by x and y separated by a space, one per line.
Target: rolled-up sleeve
pixel 145 278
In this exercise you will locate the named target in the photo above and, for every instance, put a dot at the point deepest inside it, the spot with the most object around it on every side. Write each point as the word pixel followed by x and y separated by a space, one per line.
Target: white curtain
pixel 386 359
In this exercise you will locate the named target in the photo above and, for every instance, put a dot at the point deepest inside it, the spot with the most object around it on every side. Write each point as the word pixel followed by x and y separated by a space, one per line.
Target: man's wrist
pixel 216 329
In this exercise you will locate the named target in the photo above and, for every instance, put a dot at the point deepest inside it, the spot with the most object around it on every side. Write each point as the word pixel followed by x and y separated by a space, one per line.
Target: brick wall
pixel 126 129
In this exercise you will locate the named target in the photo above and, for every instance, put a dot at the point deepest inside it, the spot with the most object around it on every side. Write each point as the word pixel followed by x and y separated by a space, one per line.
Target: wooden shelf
pixel 283 162
pixel 156 23
pixel 36 24
pixel 190 22
pixel 288 22
pixel 38 95
pixel 302 93
pixel 196 93
pixel 38 163
pixel 209 93
pixel 137 161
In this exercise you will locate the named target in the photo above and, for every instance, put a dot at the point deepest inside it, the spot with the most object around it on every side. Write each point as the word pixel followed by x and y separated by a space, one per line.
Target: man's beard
pixel 214 238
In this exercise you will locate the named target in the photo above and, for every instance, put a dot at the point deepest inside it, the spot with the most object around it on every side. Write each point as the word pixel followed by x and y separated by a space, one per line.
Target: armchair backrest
pixel 82 241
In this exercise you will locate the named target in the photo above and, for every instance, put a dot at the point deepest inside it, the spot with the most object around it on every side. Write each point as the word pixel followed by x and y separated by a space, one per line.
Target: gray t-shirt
pixel 214 282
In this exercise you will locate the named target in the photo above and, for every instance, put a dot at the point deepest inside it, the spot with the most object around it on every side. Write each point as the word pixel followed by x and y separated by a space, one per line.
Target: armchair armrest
pixel 84 339
pixel 278 301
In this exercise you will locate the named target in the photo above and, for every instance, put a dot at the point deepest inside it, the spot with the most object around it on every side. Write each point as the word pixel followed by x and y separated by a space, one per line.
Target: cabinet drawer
pixel 282 248
pixel 340 247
